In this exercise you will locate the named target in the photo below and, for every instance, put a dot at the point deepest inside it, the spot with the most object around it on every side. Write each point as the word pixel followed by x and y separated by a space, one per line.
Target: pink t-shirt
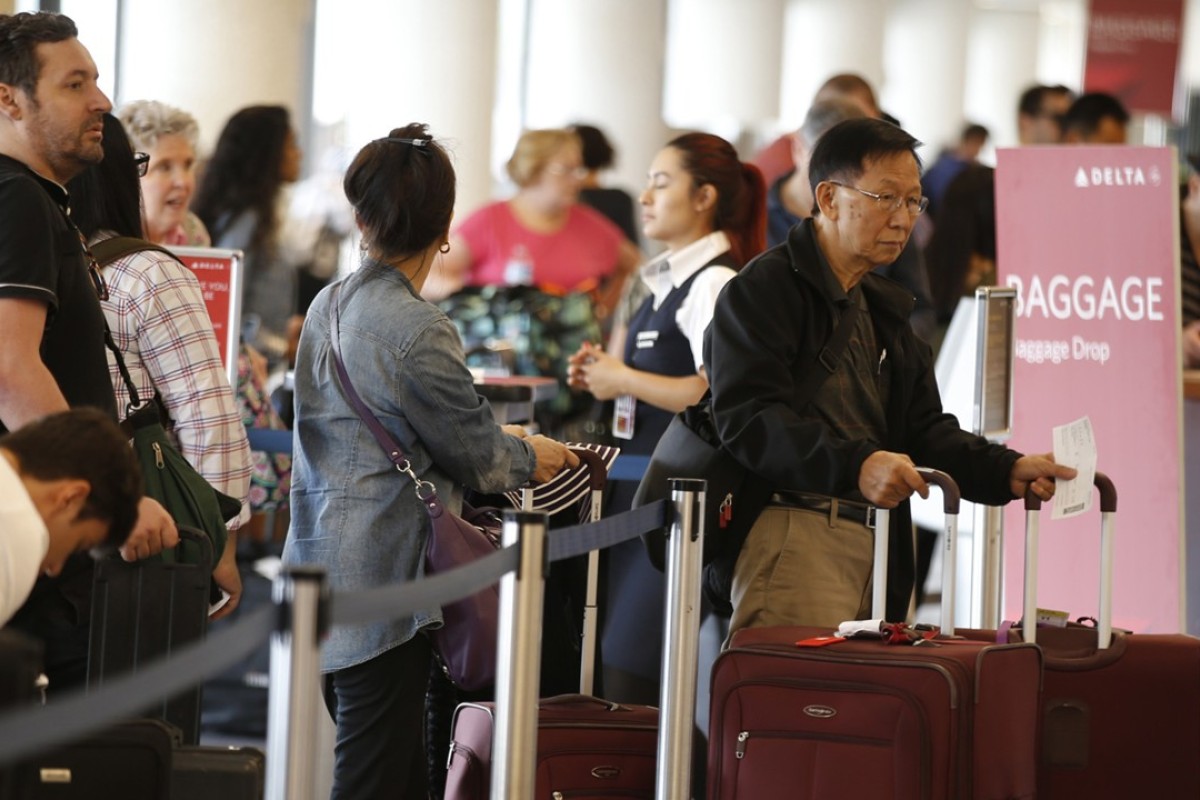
pixel 576 257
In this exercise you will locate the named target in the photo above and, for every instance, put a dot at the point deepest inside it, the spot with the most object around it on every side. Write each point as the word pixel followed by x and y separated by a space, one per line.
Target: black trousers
pixel 379 709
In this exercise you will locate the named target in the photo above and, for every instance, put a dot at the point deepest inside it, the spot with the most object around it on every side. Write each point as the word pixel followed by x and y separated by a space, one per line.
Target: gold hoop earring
pixel 445 248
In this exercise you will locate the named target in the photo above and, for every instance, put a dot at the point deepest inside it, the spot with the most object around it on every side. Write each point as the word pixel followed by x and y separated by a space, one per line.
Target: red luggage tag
pixel 820 641
pixel 726 511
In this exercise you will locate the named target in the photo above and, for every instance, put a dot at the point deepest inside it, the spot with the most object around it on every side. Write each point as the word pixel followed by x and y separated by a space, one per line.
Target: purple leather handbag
pixel 466 642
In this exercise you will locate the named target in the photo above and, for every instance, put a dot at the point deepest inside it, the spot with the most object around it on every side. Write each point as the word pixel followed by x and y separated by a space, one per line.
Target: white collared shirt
pixel 670 271
pixel 23 545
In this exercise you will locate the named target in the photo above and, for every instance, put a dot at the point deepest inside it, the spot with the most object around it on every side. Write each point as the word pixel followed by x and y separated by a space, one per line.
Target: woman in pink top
pixel 541 236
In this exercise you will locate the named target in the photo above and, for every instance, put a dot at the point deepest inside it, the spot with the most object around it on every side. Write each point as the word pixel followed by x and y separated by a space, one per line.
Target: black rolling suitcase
pixel 217 773
pixel 130 761
pixel 144 610
pixel 20 668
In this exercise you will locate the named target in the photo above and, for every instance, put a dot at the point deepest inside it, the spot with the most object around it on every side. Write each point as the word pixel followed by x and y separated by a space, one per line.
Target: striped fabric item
pixel 568 487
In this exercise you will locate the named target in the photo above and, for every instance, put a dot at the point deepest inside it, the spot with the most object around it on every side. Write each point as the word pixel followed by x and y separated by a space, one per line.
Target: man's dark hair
pixel 598 153
pixel 843 152
pixel 86 444
pixel 1033 98
pixel 20 34
pixel 402 189
pixel 107 196
pixel 1089 110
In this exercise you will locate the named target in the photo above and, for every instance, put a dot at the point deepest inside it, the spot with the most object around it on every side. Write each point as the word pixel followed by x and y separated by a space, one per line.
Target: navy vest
pixel 663 350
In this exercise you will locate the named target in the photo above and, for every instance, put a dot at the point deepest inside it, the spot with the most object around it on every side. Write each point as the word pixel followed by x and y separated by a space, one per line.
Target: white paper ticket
pixel 1074 446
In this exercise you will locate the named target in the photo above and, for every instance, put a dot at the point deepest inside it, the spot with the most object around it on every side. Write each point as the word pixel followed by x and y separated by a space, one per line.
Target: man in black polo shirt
pixel 52 353
pixel 807 560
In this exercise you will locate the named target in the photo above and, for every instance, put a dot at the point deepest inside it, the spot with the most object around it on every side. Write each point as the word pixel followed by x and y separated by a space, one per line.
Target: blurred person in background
pixel 616 204
pixel 1041 112
pixel 239 200
pixel 950 163
pixel 169 136
pixel 1096 118
pixel 961 254
pixel 542 236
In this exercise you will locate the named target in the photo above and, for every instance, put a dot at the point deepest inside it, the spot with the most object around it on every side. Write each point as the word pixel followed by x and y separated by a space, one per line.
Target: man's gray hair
pixel 147 120
pixel 824 114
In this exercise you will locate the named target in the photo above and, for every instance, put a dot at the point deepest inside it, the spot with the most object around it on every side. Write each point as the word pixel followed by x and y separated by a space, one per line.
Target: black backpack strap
pixel 109 250
pixel 829 356
pixel 106 252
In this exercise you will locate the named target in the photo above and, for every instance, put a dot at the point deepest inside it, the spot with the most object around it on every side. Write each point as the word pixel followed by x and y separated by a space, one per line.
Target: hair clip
pixel 414 142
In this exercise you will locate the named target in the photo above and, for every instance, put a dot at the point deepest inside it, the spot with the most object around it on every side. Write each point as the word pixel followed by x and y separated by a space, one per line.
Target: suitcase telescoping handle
pixel 951 499
pixel 1108 513
pixel 597 478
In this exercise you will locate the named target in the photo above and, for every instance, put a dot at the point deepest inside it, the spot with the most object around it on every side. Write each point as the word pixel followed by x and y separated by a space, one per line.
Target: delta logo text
pixel 1087 177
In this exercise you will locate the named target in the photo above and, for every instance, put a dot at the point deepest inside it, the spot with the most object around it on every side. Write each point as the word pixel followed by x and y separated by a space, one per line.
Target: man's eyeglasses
pixel 890 202
pixel 142 162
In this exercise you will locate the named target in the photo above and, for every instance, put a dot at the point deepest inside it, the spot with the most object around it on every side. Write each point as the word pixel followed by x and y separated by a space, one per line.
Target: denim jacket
pixel 352 512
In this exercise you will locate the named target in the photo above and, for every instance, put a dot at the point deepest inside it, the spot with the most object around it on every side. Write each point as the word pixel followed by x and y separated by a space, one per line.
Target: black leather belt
pixel 861 513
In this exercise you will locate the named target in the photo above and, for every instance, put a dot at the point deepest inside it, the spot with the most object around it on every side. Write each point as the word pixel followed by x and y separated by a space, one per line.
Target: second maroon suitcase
pixel 950 719
pixel 1120 711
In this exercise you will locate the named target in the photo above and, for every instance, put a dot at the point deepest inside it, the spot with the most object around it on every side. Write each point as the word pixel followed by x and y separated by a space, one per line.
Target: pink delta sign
pixel 1089 236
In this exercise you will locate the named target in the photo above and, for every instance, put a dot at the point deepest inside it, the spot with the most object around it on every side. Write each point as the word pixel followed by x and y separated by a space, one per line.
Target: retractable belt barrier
pixel 29 730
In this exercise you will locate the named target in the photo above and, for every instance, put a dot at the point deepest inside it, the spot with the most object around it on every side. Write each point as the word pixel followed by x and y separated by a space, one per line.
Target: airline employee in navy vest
pixel 709 209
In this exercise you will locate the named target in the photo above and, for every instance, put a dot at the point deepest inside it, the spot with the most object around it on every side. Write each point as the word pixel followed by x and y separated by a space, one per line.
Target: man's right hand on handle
pixel 888 479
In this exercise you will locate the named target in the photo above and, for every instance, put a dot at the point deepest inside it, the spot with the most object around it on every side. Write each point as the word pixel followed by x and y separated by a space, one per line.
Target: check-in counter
pixel 512 397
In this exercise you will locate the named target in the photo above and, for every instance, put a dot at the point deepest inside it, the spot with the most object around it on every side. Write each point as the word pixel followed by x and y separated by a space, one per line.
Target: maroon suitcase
pixel 1118 721
pixel 586 747
pixel 950 719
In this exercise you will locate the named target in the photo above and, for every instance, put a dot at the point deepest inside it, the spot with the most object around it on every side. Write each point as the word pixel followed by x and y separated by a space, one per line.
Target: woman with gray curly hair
pixel 168 135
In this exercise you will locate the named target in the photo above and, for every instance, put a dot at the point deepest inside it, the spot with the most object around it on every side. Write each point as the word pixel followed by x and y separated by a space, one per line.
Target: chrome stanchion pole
pixel 993 565
pixel 302 597
pixel 681 635
pixel 519 655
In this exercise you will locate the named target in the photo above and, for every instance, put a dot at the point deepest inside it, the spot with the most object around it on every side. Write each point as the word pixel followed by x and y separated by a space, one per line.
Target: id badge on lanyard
pixel 624 411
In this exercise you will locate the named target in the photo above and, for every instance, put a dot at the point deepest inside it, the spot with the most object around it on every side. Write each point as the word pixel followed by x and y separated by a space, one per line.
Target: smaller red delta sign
pixel 220 275
pixel 1133 52
pixel 1089 237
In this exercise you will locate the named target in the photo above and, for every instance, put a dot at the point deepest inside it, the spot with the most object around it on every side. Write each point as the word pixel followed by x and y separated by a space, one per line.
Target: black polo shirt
pixel 41 258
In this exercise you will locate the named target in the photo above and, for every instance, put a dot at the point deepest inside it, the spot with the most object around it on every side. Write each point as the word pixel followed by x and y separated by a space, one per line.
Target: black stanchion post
pixel 681 655
pixel 518 654
pixel 301 596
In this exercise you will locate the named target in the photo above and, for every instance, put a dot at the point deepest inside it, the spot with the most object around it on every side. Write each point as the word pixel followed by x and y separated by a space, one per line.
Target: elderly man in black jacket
pixel 821 389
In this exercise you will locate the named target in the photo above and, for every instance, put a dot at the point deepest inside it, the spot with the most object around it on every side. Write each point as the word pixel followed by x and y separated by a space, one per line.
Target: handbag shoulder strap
pixel 389 445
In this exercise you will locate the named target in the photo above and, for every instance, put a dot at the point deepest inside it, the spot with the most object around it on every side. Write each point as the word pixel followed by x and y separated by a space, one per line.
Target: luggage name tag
pixel 624 411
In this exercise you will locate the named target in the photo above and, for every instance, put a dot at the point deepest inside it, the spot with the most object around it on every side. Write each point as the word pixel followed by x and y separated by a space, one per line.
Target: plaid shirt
pixel 158 320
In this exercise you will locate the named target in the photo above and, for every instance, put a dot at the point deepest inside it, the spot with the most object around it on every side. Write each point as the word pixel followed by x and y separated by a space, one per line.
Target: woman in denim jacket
pixel 352 513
